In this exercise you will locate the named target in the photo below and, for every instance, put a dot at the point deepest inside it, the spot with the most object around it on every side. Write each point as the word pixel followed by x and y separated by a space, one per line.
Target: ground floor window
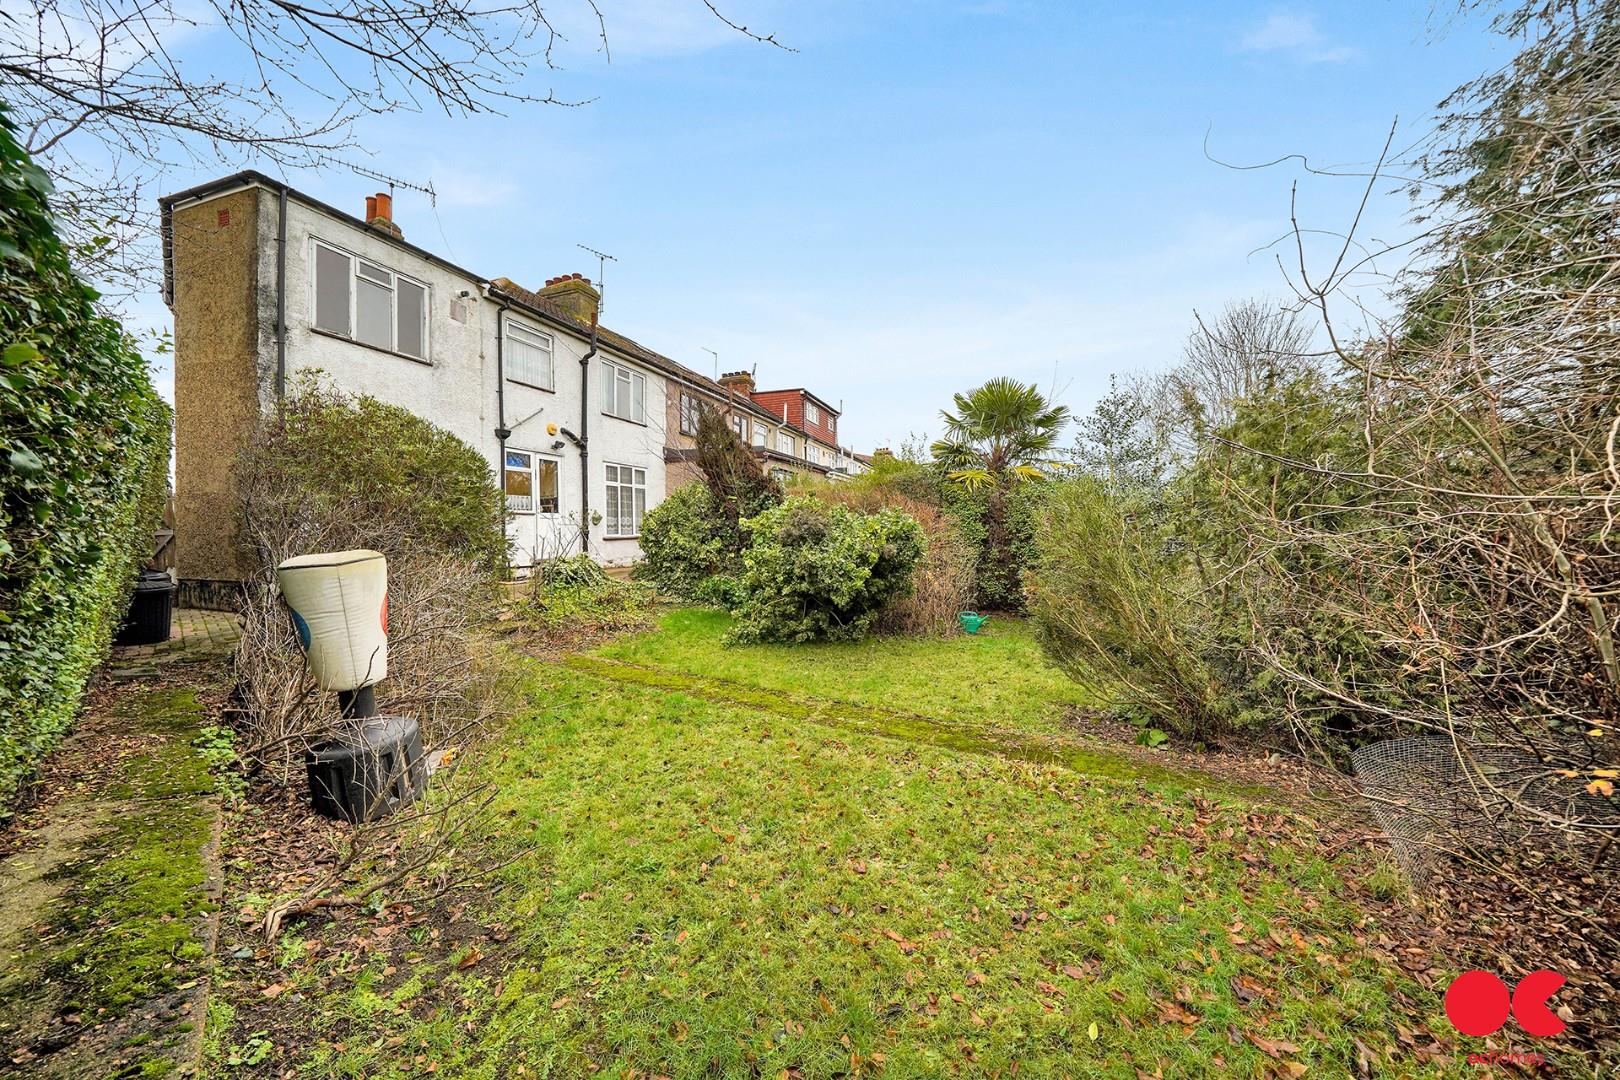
pixel 626 499
pixel 531 483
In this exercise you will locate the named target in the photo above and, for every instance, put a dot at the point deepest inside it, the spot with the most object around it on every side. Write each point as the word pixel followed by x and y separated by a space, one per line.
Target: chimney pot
pixel 574 294
pixel 371 207
pixel 385 206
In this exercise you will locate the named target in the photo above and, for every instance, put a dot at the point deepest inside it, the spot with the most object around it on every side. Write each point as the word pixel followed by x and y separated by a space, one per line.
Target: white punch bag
pixel 339 602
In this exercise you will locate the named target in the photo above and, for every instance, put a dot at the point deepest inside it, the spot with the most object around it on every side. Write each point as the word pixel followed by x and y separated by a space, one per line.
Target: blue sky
pixel 924 195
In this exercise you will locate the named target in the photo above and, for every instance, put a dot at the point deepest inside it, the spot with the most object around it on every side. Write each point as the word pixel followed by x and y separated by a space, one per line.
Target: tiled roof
pixel 628 347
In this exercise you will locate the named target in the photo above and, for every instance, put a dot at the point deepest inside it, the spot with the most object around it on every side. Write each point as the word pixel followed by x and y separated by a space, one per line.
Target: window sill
pixel 633 536
pixel 623 419
pixel 364 345
pixel 530 385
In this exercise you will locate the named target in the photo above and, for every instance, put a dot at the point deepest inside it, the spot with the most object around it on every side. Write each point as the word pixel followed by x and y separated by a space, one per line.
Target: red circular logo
pixel 1477 1003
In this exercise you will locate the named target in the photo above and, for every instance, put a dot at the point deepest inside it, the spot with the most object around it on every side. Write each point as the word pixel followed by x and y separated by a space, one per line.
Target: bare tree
pixel 1234 356
pixel 108 93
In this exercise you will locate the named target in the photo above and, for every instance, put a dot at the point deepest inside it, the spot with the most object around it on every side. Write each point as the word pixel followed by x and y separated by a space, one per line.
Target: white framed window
pixel 626 500
pixel 529 358
pixel 812 415
pixel 624 392
pixel 691 413
pixel 531 483
pixel 782 476
pixel 832 426
pixel 740 426
pixel 369 303
pixel 759 435
pixel 784 442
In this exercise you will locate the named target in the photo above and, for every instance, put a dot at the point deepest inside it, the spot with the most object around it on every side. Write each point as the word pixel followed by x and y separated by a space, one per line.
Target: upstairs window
pixel 784 443
pixel 812 415
pixel 759 435
pixel 740 426
pixel 528 356
pixel 832 426
pixel 691 413
pixel 369 303
pixel 624 393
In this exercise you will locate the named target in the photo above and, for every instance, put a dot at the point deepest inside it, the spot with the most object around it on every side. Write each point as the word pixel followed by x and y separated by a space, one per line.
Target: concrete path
pixel 110 881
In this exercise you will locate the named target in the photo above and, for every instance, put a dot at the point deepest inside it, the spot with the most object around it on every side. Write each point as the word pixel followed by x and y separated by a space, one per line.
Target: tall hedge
pixel 84 453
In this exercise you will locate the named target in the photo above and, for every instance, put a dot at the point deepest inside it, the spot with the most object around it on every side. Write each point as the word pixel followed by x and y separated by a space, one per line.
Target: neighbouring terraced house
pixel 586 428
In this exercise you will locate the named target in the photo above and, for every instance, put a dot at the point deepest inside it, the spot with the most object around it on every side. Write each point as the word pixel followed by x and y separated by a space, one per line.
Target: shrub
pixel 83 472
pixel 692 542
pixel 686 542
pixel 815 572
pixel 1000 562
pixel 333 471
pixel 1114 609
pixel 942 583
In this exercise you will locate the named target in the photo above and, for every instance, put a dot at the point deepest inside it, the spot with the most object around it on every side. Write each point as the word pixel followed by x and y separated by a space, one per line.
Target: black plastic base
pixel 370 774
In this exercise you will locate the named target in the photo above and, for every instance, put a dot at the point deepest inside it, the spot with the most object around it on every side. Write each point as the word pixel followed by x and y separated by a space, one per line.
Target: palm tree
pixel 1000 433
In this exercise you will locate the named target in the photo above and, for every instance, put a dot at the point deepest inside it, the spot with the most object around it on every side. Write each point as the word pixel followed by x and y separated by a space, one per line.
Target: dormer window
pixel 812 414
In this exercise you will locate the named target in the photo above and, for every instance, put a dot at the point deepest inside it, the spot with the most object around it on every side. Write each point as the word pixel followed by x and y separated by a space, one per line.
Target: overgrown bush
pixel 1118 610
pixel 333 471
pixel 686 542
pixel 816 572
pixel 692 542
pixel 999 565
pixel 942 583
pixel 84 454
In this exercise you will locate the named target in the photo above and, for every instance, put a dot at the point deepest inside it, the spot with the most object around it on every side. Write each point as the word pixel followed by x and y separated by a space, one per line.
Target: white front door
pixel 533 496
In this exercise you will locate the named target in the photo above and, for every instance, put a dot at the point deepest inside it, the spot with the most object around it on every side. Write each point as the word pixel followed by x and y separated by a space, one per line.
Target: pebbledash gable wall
pixel 221 273
pixel 215 271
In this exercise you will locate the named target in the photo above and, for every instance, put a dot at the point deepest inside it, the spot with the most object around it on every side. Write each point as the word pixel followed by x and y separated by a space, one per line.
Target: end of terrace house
pixel 586 429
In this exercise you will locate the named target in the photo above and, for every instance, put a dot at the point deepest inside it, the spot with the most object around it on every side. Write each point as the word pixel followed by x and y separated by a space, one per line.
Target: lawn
pixel 995 678
pixel 721 889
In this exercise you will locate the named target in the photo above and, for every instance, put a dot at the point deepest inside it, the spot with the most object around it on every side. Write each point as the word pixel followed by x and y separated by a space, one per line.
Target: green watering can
pixel 972 620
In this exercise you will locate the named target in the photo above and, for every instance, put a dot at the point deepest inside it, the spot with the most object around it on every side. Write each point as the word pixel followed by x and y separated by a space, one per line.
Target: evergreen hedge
pixel 84 454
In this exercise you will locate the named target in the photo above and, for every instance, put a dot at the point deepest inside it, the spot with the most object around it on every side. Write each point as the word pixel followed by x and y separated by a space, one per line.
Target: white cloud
pixel 1298 36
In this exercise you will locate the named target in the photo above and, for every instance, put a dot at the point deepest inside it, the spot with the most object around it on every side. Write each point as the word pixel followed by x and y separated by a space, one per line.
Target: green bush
pixel 686 543
pixel 998 568
pixel 83 472
pixel 815 572
pixel 332 468
pixel 1114 607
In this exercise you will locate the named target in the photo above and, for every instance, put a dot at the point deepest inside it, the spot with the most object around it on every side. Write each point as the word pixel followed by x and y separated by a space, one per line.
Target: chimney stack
pixel 575 295
pixel 380 214
pixel 739 382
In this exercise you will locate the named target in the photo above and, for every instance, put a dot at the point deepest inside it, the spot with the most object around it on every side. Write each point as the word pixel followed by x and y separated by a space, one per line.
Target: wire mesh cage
pixel 1434 797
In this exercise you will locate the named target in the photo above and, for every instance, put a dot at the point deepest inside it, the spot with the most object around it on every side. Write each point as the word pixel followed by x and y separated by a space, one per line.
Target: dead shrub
pixel 433 510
